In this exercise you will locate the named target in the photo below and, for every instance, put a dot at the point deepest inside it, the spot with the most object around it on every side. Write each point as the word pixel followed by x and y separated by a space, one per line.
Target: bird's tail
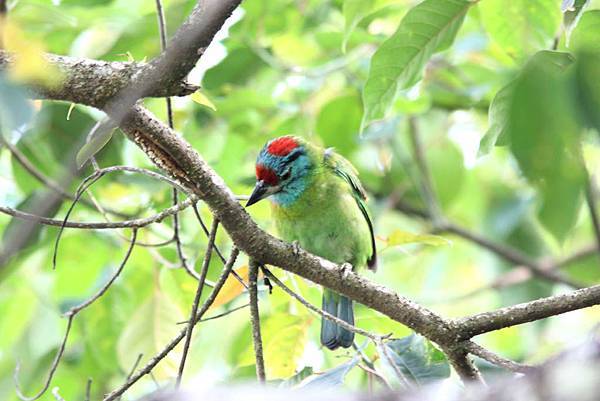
pixel 332 335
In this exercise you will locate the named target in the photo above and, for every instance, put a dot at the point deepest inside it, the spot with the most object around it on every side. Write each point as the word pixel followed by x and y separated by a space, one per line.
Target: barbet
pixel 318 202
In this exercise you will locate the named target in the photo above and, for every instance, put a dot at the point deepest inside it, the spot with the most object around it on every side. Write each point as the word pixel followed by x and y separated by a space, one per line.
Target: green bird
pixel 319 203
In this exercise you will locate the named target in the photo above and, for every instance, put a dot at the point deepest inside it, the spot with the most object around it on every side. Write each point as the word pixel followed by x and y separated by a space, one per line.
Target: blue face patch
pixel 293 171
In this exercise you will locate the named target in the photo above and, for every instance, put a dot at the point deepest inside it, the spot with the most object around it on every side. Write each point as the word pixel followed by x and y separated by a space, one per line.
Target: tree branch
pixel 471 326
pixel 196 303
pixel 496 359
pixel 255 320
pixel 93 82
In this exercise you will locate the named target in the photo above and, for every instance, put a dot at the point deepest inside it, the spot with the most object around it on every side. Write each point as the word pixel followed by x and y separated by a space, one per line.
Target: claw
pixel 346 269
pixel 296 247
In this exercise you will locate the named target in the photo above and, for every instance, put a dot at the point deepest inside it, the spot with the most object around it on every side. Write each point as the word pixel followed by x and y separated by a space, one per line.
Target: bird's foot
pixel 346 269
pixel 296 247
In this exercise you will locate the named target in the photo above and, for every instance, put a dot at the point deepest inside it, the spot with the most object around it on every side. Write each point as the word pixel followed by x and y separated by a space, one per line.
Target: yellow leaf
pixel 232 288
pixel 29 64
pixel 284 339
pixel 202 99
pixel 399 237
pixel 152 325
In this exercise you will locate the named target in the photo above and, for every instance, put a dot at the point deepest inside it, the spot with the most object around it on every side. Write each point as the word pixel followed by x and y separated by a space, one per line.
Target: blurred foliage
pixel 506 109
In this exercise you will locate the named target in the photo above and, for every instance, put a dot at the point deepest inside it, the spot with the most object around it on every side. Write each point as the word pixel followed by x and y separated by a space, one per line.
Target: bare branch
pixel 136 223
pixel 471 326
pixel 102 79
pixel 509 254
pixel 70 314
pixel 196 303
pixel 76 309
pixel 496 359
pixel 463 365
pixel 169 347
pixel 46 181
pixel 319 311
pixel 255 321
pixel 53 367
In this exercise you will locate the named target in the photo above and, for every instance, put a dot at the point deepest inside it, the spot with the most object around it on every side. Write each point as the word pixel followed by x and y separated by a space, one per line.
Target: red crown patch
pixel 266 174
pixel 282 146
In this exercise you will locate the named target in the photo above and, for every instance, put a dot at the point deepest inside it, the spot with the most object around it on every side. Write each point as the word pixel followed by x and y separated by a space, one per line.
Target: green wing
pixel 346 170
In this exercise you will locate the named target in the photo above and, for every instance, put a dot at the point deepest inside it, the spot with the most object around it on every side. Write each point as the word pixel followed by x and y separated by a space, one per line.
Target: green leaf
pixel 98 141
pixel 399 237
pixel 152 326
pixel 202 99
pixel 338 122
pixel 520 27
pixel 545 135
pixel 427 28
pixel 497 133
pixel 415 358
pixel 354 11
pixel 498 119
pixel 332 377
pixel 237 68
pixel 586 36
pixel 572 11
pixel 297 378
pixel 588 88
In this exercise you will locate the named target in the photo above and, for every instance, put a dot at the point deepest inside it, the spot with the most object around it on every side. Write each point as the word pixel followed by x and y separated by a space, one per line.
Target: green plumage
pixel 329 218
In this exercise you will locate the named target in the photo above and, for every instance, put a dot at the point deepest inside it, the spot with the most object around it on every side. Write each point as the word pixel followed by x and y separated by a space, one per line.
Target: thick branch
pixel 527 312
pixel 93 82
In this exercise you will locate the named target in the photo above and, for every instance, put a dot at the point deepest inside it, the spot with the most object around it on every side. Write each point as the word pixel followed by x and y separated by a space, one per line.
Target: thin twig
pixel 496 359
pixel 90 180
pixel 196 303
pixel 320 311
pixel 255 321
pixel 383 351
pixel 230 311
pixel 510 254
pixel 88 389
pixel 70 314
pixel 76 309
pixel 169 347
pixel 136 223
pixel 48 182
pixel 53 367
pixel 216 248
pixel 220 315
pixel 135 365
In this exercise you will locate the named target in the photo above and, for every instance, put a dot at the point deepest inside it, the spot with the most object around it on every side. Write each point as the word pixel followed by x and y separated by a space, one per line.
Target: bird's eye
pixel 287 174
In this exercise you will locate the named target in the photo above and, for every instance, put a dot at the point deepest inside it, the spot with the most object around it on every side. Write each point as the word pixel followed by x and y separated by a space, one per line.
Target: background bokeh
pixel 299 67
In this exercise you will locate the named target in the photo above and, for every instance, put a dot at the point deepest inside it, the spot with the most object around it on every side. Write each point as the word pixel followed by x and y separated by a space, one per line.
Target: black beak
pixel 261 191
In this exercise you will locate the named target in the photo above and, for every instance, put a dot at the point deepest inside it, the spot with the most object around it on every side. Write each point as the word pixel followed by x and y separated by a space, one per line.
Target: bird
pixel 319 204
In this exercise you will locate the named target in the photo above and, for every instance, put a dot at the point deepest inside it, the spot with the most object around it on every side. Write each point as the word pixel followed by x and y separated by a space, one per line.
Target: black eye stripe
pixel 294 155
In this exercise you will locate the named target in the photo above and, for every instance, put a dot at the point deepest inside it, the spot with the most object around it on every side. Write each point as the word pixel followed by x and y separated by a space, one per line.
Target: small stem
pixel 496 359
pixel 255 320
pixel 194 312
